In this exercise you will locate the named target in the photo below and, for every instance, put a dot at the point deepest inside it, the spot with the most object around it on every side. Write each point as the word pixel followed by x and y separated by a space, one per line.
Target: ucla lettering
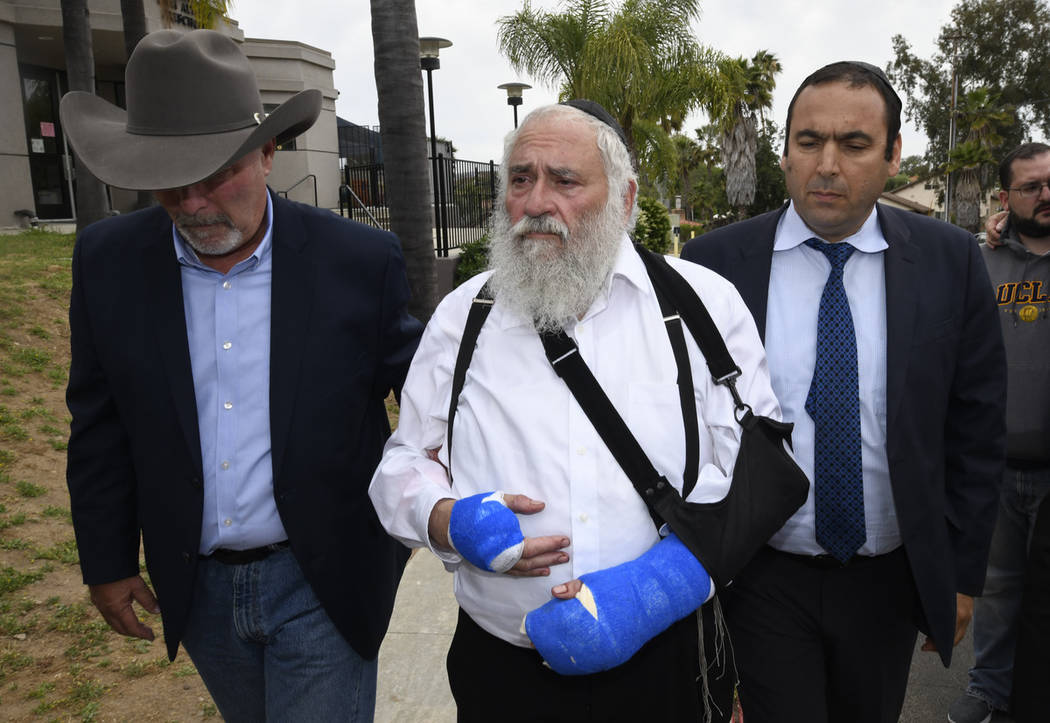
pixel 1038 295
pixel 1005 293
pixel 1021 292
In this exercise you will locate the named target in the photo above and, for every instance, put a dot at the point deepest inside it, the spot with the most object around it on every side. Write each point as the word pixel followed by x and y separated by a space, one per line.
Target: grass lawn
pixel 58 659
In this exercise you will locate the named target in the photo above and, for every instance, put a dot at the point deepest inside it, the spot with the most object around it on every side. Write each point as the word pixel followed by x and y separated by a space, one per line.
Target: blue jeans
pixel 267 651
pixel 996 611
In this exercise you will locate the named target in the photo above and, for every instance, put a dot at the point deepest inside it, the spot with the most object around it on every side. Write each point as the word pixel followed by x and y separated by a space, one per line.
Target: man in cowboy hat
pixel 231 354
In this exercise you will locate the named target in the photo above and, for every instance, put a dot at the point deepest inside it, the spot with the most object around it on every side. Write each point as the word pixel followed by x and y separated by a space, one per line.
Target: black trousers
pixel 817 643
pixel 493 680
pixel 1030 699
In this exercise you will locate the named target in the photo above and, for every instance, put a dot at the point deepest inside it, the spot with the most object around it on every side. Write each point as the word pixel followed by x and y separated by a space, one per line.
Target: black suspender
pixel 479 311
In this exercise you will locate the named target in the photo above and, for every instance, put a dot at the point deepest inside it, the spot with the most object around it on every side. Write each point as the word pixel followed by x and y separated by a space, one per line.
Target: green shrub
pixel 473 259
pixel 653 229
pixel 689 230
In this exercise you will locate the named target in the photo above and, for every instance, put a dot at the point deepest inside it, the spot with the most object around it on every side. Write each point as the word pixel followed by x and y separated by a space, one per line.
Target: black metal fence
pixel 362 196
pixel 465 196
pixel 360 145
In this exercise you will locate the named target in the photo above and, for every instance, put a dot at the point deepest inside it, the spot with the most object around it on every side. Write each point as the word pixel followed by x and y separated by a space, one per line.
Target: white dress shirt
pixel 519 430
pixel 796 282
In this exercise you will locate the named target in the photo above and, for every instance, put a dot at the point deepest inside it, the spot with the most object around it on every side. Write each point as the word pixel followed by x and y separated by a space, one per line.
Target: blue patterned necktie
pixel 834 405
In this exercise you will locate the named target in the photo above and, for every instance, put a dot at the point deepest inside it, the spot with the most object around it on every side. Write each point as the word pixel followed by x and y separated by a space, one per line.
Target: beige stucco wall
pixel 16 191
pixel 283 69
pixel 919 193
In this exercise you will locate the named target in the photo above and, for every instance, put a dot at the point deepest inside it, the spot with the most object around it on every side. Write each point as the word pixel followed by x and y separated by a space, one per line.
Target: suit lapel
pixel 901 284
pixel 290 306
pixel 756 259
pixel 164 297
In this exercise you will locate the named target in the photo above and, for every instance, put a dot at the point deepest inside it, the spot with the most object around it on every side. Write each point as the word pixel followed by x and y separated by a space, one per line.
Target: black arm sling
pixel 767 485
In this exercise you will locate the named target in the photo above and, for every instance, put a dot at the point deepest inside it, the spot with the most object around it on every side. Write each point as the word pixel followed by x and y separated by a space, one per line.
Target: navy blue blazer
pixel 341 339
pixel 945 395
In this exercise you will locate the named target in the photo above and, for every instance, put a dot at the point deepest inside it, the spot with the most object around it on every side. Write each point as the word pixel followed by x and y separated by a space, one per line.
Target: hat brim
pixel 97 130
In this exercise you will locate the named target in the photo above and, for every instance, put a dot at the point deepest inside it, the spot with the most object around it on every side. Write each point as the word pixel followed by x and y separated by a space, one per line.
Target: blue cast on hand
pixel 619 609
pixel 485 532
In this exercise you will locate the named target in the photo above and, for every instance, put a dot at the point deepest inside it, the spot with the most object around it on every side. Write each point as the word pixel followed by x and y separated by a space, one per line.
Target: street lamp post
pixel 514 98
pixel 429 49
pixel 949 192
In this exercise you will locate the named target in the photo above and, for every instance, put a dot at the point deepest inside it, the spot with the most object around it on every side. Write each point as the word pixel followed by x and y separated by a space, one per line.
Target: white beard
pixel 210 242
pixel 547 281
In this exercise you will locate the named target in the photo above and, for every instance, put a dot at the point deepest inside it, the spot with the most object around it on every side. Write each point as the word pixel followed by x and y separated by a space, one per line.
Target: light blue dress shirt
pixel 796 282
pixel 228 329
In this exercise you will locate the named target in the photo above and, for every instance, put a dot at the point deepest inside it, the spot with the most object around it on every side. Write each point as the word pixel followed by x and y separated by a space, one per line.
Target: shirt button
pixel 581 451
pixel 227 285
pixel 227 522
pixel 583 517
pixel 227 345
pixel 228 405
pixel 225 464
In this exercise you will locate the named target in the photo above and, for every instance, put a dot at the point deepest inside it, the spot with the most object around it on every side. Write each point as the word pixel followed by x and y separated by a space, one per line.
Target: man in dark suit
pixel 231 356
pixel 884 350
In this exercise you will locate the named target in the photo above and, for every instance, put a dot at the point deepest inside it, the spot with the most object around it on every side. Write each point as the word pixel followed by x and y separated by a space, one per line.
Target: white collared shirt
pixel 518 429
pixel 796 282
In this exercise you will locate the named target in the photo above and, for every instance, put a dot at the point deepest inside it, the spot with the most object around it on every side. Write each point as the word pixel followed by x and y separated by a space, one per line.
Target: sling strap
pixel 678 302
pixel 671 285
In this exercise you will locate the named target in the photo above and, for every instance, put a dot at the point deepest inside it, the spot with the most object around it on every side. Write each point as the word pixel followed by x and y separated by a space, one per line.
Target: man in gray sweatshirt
pixel 1020 272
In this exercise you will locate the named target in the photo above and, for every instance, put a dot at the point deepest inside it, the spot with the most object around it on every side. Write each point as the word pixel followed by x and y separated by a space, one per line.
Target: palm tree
pixel 206 13
pixel 737 112
pixel 981 113
pixel 690 156
pixel 80 70
pixel 399 86
pixel 133 16
pixel 639 60
pixel 966 161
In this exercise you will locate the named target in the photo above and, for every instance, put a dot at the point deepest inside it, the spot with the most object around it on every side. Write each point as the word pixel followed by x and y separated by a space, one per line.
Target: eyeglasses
pixel 1030 190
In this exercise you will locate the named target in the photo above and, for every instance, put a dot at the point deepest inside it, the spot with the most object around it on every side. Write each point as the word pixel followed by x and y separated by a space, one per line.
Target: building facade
pixel 37 170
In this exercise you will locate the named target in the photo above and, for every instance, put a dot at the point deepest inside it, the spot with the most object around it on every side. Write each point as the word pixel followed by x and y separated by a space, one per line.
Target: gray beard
pixel 549 282
pixel 231 240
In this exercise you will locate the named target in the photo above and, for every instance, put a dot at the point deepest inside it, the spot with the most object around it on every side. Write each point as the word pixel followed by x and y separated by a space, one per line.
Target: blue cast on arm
pixel 619 609
pixel 485 532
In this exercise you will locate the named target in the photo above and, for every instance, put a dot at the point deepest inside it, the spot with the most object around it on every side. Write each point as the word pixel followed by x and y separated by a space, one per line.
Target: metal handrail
pixel 307 177
pixel 359 203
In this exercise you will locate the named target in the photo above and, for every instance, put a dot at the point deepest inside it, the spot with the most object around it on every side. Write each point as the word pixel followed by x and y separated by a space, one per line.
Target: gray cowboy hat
pixel 193 109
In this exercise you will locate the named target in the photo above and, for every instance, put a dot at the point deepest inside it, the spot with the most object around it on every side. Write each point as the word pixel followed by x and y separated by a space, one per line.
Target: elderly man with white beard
pixel 528 499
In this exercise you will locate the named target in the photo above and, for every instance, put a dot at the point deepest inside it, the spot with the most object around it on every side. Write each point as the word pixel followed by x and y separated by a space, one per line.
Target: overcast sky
pixel 473 113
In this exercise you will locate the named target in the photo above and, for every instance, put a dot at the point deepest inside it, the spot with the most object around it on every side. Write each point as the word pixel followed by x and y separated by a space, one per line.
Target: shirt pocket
pixel 655 419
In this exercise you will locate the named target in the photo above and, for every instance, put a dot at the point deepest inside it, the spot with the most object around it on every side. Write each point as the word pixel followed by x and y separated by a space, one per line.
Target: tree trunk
pixel 133 15
pixel 399 86
pixel 968 200
pixel 739 146
pixel 80 69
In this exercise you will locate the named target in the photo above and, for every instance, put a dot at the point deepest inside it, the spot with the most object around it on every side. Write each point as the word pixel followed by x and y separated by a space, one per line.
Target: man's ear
pixel 895 159
pixel 268 150
pixel 1004 200
pixel 628 199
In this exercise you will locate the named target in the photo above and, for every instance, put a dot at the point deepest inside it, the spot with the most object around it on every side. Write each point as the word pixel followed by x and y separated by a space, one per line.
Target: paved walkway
pixel 413 685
